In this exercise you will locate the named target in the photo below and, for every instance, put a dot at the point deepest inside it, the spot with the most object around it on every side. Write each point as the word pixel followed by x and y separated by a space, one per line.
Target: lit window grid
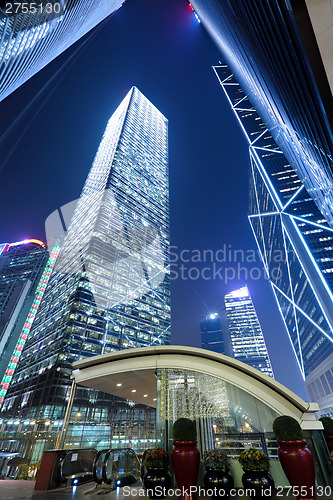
pixel 301 137
pixel 19 261
pixel 30 41
pixel 28 324
pixel 315 341
pixel 245 332
pixel 59 341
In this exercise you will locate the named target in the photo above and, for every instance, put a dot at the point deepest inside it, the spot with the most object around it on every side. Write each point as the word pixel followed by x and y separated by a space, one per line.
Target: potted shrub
pixel 295 458
pixel 217 476
pixel 156 464
pixel 185 455
pixel 328 431
pixel 256 472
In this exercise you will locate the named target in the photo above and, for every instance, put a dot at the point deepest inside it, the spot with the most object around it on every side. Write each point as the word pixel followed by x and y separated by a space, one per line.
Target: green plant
pixel 184 429
pixel 28 472
pixel 156 458
pixel 287 428
pixel 217 459
pixel 328 425
pixel 254 459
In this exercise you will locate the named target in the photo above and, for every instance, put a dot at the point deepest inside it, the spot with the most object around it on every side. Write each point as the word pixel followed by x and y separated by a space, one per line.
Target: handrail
pixel 96 478
pixel 122 476
pixel 82 466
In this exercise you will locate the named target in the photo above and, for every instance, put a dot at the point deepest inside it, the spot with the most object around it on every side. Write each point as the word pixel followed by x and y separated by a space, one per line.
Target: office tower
pixel 247 339
pixel 211 334
pixel 271 48
pixel 21 265
pixel 109 289
pixel 33 34
pixel 296 246
pixel 23 324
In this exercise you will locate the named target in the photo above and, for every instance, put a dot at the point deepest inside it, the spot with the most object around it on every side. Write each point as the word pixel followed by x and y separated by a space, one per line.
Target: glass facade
pixel 33 34
pixel 196 395
pixel 211 334
pixel 21 266
pixel 109 289
pixel 262 45
pixel 294 239
pixel 247 339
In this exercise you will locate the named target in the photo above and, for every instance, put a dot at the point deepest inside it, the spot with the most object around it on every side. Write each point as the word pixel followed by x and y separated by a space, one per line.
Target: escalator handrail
pixel 107 480
pixel 62 460
pixel 98 480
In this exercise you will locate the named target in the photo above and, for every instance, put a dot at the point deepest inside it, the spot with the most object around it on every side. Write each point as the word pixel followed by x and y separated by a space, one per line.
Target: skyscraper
pixel 280 88
pixel 247 339
pixel 110 287
pixel 21 265
pixel 33 34
pixel 295 244
pixel 212 335
pixel 271 48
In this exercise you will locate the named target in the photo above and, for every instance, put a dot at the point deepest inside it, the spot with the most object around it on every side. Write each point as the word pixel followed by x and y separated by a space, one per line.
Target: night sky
pixel 51 132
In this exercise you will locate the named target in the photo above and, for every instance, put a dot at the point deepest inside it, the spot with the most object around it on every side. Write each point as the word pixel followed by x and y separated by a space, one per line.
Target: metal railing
pixel 234 444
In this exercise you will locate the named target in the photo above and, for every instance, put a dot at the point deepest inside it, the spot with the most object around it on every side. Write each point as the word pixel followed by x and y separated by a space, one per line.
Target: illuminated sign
pixel 24 242
pixel 7 378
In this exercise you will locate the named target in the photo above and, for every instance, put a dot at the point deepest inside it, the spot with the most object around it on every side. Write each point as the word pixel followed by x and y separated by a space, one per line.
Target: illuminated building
pixel 109 289
pixel 296 246
pixel 211 334
pixel 31 39
pixel 21 265
pixel 280 87
pixel 247 339
pixel 271 47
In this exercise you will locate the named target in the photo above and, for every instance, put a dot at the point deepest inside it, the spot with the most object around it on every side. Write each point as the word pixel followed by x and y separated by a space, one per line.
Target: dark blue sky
pixel 46 155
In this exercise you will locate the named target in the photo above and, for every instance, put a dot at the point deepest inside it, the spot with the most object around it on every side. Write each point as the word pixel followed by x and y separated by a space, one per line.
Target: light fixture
pixel 119 385
pixel 145 395
pixel 78 414
pixel 133 390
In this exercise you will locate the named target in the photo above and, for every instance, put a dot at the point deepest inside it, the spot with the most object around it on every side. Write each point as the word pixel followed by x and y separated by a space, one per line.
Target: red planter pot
pixel 297 463
pixel 329 441
pixel 185 462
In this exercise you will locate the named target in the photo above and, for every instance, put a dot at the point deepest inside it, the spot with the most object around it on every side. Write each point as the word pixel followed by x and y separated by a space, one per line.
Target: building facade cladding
pixel 211 334
pixel 247 339
pixel 30 40
pixel 21 265
pixel 261 44
pixel 294 239
pixel 110 286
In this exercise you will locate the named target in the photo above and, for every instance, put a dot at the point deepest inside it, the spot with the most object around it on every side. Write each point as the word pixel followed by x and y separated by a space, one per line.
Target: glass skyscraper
pixel 211 334
pixel 271 49
pixel 33 34
pixel 109 289
pixel 296 246
pixel 247 339
pixel 21 265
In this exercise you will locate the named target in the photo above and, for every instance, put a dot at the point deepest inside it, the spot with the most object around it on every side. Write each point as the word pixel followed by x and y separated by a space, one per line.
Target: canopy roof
pixel 131 374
